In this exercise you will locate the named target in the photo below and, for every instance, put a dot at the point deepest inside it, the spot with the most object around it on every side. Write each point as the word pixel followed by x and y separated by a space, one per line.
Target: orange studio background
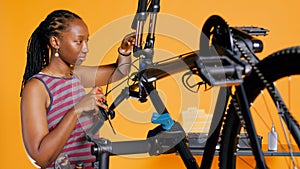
pixel 20 18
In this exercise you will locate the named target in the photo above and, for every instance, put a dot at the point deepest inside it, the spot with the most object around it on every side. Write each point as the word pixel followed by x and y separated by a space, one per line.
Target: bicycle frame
pixel 229 73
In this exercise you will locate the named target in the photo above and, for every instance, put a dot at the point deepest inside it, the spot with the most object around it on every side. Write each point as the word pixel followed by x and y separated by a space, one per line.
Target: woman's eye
pixel 79 41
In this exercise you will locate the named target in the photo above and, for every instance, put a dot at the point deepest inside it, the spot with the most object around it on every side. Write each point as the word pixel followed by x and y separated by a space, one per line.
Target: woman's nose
pixel 85 48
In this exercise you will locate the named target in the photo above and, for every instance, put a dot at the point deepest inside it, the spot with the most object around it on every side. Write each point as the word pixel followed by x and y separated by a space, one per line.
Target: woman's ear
pixel 54 42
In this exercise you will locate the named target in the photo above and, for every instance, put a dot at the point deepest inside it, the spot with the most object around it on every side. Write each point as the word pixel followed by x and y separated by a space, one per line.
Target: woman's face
pixel 73 45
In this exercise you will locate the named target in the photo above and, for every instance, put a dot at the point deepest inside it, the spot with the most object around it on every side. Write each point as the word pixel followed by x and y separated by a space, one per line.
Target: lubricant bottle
pixel 272 139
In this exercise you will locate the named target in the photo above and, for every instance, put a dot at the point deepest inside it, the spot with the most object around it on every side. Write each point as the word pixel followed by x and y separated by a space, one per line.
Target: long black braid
pixel 39 43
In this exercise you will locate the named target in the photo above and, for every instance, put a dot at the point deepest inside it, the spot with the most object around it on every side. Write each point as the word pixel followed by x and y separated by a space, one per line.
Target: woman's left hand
pixel 127 44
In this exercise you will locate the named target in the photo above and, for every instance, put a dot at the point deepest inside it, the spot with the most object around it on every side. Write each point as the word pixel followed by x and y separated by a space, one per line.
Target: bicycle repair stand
pixel 159 140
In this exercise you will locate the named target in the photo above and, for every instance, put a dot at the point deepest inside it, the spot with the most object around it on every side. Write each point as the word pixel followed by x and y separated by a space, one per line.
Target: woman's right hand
pixel 91 102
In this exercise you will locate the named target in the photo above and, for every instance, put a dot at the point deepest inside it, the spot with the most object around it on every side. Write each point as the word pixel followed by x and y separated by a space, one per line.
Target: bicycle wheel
pixel 280 67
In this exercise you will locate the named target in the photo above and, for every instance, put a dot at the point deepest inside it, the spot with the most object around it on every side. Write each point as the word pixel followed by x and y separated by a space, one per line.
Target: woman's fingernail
pixel 99 91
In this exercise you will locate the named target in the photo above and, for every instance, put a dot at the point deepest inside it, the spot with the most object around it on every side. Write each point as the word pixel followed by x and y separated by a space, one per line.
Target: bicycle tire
pixel 280 64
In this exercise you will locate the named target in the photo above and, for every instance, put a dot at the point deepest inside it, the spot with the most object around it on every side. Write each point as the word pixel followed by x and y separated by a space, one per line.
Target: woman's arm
pixel 44 146
pixel 101 75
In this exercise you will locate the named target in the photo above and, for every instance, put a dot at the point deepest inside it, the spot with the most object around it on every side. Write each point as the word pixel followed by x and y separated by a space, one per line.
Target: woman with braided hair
pixel 53 99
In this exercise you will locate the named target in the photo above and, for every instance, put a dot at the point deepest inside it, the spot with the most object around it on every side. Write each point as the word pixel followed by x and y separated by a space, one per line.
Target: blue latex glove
pixel 164 119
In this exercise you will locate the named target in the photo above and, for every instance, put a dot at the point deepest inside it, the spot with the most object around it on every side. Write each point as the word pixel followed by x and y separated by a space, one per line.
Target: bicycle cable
pixel 127 79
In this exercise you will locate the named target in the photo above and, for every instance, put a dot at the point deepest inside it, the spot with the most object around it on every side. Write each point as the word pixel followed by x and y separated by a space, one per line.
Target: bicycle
pixel 227 59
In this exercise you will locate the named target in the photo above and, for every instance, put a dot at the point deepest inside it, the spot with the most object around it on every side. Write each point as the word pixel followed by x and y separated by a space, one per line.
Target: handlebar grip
pixel 142 6
pixel 154 6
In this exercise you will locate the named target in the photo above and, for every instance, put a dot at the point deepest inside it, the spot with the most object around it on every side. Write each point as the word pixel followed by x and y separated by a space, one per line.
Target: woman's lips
pixel 82 58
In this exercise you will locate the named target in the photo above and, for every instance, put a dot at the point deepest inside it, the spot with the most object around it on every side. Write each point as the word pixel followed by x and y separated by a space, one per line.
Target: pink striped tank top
pixel 64 94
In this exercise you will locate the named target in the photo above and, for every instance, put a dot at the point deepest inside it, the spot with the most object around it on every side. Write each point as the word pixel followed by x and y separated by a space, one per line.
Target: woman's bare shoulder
pixel 34 87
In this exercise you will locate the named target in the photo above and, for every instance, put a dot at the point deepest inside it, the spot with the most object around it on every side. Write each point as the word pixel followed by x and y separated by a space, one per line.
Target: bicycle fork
pixel 244 106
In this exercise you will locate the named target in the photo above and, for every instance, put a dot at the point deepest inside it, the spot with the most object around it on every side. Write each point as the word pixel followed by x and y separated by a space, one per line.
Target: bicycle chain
pixel 248 55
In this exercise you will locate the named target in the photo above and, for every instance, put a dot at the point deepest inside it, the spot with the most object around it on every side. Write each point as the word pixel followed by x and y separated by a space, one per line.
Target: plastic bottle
pixel 272 139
